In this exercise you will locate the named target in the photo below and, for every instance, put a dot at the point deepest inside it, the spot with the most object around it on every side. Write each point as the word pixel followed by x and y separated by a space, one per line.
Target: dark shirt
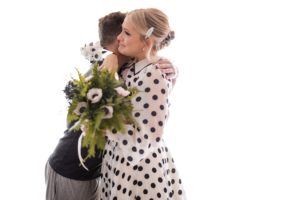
pixel 64 160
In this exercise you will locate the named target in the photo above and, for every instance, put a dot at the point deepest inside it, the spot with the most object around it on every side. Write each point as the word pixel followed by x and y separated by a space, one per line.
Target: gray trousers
pixel 62 188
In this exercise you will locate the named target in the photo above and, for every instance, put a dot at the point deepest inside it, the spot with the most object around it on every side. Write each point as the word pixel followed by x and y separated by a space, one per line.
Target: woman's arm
pixel 110 63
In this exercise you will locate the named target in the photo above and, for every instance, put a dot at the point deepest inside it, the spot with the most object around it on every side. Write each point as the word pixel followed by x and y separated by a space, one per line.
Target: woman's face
pixel 130 43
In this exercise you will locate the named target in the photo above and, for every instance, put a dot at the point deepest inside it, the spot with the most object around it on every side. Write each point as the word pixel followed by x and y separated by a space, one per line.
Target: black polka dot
pixel 125 142
pixel 157 139
pixel 114 131
pixel 137 198
pixel 119 187
pixel 153 113
pixel 154 170
pixel 138 99
pixel 162 107
pixel 163 91
pixel 153 185
pixel 146 176
pixel 156 81
pixel 122 160
pixel 155 97
pixel 180 192
pixel 147 89
pixel 149 74
pixel 140 168
pixel 165 190
pixel 140 183
pixel 160 123
pixel 130 132
pixel 139 140
pixel 160 165
pixel 137 114
pixel 152 129
pixel 130 158
pixel 146 136
pixel 134 149
pixel 141 151
pixel 145 191
pixel 146 105
pixel 145 121
pixel 140 83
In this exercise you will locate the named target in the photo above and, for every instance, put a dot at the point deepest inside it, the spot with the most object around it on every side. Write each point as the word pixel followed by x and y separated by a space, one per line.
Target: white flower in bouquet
pixel 80 108
pixel 94 95
pixel 108 112
pixel 121 91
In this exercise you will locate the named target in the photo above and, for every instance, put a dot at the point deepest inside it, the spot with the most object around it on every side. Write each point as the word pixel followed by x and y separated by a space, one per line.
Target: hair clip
pixel 149 32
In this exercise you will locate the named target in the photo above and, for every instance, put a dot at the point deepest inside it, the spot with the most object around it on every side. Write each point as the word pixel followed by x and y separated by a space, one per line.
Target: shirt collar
pixel 140 65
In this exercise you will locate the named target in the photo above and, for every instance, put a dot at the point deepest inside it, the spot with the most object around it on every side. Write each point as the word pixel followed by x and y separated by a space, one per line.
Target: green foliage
pixel 93 116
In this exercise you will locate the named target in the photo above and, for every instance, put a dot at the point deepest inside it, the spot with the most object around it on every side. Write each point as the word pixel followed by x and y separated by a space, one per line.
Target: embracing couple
pixel 135 165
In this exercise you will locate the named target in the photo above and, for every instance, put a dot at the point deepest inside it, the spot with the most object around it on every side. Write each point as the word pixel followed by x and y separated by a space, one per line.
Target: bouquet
pixel 98 103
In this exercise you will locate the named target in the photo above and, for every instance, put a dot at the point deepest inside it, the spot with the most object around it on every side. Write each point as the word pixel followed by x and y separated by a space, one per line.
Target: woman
pixel 138 165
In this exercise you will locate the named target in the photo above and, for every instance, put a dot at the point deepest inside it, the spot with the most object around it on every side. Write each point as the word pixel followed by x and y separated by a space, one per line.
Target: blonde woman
pixel 138 165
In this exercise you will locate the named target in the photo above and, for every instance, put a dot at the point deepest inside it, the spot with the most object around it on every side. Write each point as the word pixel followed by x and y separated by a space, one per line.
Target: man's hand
pixel 168 69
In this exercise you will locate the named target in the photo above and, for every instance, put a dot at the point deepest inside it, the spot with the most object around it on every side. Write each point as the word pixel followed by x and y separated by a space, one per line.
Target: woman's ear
pixel 149 43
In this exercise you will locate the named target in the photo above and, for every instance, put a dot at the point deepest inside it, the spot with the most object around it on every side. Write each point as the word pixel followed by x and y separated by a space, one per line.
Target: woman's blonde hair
pixel 144 19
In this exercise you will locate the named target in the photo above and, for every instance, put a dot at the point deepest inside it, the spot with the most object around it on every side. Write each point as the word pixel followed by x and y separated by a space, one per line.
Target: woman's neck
pixel 152 58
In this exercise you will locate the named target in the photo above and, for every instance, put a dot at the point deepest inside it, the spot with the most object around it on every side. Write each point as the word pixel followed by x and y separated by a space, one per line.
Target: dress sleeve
pixel 151 112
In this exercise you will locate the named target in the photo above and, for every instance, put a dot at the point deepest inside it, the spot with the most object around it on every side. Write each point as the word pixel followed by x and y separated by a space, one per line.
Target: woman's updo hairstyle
pixel 145 19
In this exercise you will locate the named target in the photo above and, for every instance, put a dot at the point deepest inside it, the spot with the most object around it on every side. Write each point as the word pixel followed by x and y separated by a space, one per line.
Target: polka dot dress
pixel 137 165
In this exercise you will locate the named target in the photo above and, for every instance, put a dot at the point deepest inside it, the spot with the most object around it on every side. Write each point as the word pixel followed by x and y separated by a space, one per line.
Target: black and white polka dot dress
pixel 138 165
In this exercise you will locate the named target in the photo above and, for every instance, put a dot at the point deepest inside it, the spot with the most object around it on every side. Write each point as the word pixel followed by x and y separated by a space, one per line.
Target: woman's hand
pixel 110 63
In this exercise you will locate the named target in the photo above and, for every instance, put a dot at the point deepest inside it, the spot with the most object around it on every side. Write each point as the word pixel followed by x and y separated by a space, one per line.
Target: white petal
pixel 109 113
pixel 79 106
pixel 121 91
pixel 94 95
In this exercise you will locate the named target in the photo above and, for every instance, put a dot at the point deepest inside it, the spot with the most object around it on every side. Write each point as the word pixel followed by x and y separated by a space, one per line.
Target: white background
pixel 234 125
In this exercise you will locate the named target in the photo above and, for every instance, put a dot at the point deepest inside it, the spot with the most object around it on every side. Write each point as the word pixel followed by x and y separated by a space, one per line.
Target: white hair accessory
pixel 149 32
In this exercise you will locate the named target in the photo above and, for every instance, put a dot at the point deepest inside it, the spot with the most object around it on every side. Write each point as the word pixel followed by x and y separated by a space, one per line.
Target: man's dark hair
pixel 110 26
